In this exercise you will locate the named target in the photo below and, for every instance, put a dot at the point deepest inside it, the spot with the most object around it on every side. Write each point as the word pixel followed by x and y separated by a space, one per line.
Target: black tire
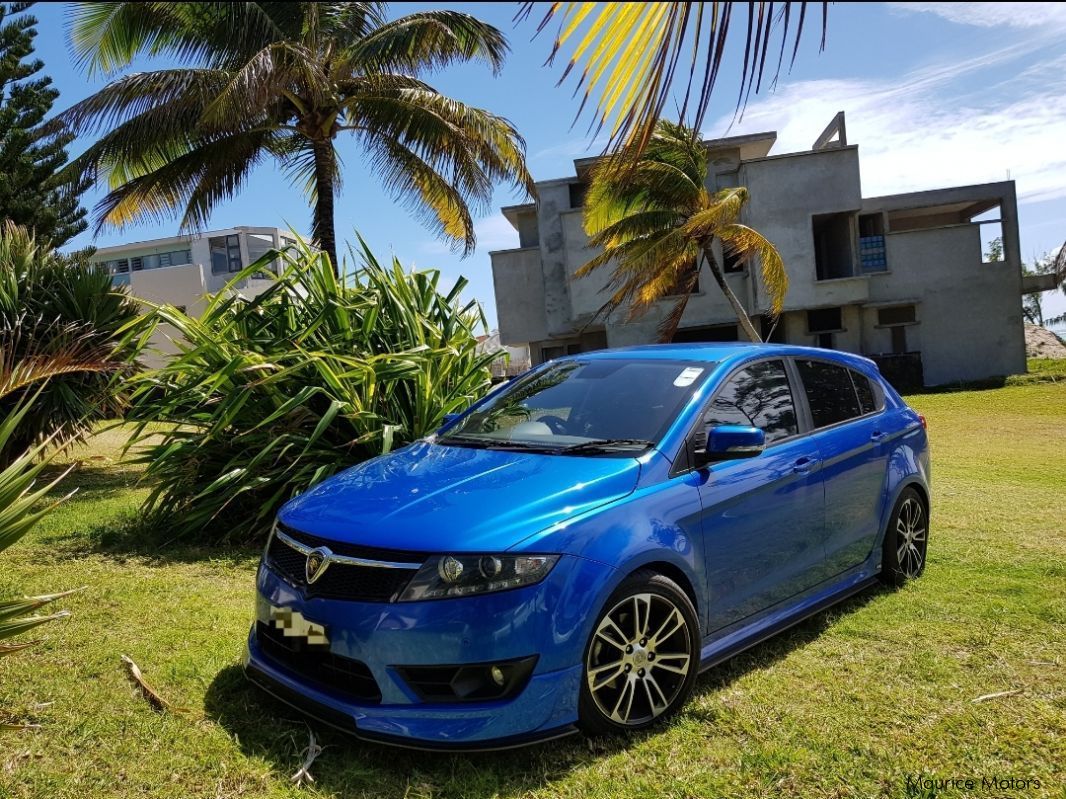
pixel 905 549
pixel 647 672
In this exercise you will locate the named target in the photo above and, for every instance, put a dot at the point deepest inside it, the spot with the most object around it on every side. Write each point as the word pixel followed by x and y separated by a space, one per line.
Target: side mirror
pixel 728 442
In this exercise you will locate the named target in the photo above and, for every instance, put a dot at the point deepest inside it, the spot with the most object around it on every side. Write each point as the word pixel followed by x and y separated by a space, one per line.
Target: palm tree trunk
pixel 323 230
pixel 738 309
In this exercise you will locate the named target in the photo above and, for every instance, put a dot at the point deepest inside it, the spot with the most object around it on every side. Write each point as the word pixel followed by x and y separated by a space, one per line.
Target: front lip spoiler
pixel 344 723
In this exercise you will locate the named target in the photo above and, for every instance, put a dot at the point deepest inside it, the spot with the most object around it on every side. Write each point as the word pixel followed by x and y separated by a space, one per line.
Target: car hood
pixel 433 498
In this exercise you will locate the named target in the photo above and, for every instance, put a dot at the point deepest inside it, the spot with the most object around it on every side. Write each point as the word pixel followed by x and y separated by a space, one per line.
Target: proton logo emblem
pixel 317 562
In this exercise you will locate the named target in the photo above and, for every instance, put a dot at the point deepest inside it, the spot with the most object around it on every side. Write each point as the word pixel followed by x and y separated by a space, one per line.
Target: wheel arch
pixel 675 573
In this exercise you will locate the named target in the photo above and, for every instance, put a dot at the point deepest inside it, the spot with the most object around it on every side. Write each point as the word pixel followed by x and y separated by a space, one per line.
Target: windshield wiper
pixel 495 443
pixel 606 445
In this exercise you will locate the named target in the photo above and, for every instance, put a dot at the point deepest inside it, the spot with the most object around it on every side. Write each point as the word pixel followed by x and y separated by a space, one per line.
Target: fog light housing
pixel 470 682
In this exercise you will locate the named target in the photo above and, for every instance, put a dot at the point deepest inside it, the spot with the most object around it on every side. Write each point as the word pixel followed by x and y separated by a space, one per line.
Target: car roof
pixel 722 351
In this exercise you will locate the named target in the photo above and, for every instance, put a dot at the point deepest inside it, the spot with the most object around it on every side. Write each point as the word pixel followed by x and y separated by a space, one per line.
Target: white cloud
pixel 992 15
pixel 492 232
pixel 929 128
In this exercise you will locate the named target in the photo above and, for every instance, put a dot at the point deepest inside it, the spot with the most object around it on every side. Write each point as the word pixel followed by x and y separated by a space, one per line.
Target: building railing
pixel 903 370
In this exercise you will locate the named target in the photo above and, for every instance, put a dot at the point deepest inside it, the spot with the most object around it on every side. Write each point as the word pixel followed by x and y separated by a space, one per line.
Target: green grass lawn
pixel 844 705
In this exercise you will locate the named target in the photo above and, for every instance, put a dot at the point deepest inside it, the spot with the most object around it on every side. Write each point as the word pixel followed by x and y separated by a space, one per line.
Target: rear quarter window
pixel 864 391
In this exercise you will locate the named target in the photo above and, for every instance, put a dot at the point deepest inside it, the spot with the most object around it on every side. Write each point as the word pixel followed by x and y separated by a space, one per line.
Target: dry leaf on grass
pixel 154 698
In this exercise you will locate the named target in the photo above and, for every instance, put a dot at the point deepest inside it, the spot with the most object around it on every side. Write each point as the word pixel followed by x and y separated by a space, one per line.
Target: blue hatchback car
pixel 572 550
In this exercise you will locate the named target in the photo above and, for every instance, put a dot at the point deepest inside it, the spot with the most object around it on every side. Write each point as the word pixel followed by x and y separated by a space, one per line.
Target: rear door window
pixel 830 392
pixel 757 396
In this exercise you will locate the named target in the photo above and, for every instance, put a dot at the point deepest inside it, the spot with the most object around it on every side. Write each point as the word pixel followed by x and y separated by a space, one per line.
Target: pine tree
pixel 33 149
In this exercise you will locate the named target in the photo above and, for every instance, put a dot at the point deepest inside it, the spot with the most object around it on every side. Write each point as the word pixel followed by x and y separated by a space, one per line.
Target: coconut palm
pixel 283 81
pixel 656 220
pixel 629 53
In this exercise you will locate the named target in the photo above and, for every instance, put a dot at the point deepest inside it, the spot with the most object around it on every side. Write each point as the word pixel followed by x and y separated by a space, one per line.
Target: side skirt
pixel 750 635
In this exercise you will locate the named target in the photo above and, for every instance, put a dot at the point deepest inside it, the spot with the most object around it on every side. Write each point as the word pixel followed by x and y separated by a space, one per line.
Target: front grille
pixel 354 550
pixel 349 677
pixel 343 580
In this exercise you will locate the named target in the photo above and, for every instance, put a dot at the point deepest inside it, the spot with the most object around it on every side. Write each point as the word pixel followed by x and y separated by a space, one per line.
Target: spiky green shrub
pixel 21 498
pixel 270 395
pixel 50 306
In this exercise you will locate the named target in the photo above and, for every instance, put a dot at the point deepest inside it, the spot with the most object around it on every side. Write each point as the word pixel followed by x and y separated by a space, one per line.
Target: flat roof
pixel 185 238
pixel 751 145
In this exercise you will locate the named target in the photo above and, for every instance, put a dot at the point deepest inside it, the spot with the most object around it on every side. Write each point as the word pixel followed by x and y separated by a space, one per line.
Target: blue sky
pixel 936 94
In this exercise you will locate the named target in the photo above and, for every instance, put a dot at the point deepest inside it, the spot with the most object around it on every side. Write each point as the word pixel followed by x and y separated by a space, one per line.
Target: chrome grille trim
pixel 303 549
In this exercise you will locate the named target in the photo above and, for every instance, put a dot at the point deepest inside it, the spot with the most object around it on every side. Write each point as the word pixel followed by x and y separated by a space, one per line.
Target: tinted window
pixel 758 395
pixel 830 392
pixel 865 392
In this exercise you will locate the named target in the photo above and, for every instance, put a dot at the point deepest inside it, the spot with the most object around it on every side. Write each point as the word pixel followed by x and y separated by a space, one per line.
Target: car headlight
pixel 462 575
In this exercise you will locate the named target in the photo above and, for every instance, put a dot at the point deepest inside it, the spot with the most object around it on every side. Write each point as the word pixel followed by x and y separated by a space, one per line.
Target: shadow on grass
pixel 92 480
pixel 147 539
pixel 269 730
pixel 276 733
pixel 127 533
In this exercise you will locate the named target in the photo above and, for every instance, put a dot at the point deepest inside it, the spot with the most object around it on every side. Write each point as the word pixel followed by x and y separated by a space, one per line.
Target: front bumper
pixel 550 620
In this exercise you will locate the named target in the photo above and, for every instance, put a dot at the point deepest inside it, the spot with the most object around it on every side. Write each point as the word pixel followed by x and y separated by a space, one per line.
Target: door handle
pixel 804 465
pixel 877 436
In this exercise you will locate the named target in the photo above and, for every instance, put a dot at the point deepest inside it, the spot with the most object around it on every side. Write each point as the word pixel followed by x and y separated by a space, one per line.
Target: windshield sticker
pixel 687 377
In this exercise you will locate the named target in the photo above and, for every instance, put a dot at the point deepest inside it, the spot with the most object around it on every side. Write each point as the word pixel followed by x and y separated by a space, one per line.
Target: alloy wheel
pixel 911 536
pixel 640 656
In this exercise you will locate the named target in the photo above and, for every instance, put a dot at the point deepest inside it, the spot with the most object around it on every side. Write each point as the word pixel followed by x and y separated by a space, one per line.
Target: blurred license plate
pixel 292 624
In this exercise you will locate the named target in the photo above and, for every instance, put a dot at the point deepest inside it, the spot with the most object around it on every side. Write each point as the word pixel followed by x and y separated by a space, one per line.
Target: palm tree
pixel 656 219
pixel 629 53
pixel 283 80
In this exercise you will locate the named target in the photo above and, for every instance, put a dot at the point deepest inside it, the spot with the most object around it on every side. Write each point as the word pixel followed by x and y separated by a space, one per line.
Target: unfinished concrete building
pixel 903 279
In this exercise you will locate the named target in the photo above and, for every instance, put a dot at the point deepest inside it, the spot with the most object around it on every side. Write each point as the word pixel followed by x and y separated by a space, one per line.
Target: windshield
pixel 584 407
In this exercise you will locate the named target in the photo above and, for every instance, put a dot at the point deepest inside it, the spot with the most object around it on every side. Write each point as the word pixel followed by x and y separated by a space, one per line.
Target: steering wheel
pixel 556 423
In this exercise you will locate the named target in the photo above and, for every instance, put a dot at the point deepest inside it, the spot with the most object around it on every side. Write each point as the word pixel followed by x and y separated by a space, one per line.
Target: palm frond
pixel 280 71
pixel 470 142
pixel 108 36
pixel 627 56
pixel 192 177
pixel 718 211
pixel 176 96
pixel 59 342
pixel 667 328
pixel 427 193
pixel 747 243
pixel 427 41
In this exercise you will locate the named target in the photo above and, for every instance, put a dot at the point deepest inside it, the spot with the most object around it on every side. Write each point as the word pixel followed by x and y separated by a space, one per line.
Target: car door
pixel 848 427
pixel 763 517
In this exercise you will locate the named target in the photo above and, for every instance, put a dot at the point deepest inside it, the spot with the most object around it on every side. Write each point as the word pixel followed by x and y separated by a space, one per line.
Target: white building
pixel 184 270
pixel 900 278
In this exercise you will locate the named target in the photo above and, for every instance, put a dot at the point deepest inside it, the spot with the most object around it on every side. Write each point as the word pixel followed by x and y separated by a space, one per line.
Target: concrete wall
pixel 528 232
pixel 970 312
pixel 174 285
pixel 519 285
pixel 587 294
pixel 554 199
pixel 786 192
